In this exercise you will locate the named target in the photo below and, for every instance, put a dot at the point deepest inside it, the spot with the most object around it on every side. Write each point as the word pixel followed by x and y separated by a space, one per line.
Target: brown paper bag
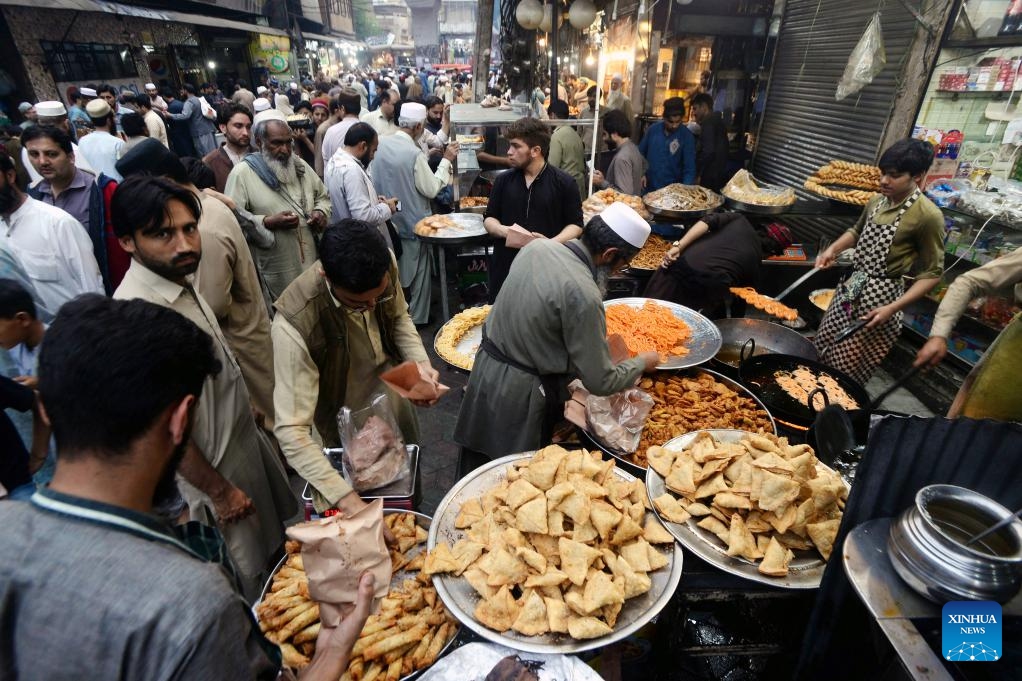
pixel 518 237
pixel 409 380
pixel 336 551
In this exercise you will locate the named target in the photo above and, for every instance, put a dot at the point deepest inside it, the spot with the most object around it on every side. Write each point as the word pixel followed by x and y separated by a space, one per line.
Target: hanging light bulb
pixel 582 14
pixel 529 14
pixel 590 60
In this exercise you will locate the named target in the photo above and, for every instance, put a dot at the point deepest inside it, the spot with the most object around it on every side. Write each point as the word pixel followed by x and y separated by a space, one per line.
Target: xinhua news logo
pixel 971 631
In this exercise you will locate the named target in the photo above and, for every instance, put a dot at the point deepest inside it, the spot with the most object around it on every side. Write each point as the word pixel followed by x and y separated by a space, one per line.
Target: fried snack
pixel 803 380
pixel 682 404
pixel 742 187
pixel 473 201
pixel 432 225
pixel 410 615
pixel 599 201
pixel 452 333
pixel 651 327
pixel 683 197
pixel 652 254
pixel 765 303
pixel 846 181
pixel 470 139
pixel 575 575
pixel 761 498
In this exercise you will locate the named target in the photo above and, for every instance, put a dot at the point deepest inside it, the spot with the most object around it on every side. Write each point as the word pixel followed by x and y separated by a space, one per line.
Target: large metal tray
pixel 624 459
pixel 460 598
pixel 469 228
pixel 469 345
pixel 805 570
pixel 705 341
pixel 683 214
pixel 396 580
pixel 755 208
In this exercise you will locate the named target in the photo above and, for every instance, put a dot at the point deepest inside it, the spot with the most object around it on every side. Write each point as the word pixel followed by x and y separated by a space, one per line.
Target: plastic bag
pixel 374 451
pixel 866 61
pixel 617 420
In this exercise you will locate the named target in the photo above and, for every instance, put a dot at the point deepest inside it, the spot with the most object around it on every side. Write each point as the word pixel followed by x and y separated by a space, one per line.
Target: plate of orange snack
pixel 682 336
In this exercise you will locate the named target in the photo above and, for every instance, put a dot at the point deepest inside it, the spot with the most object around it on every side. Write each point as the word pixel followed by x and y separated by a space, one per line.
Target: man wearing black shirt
pixel 533 195
pixel 720 251
pixel 14 461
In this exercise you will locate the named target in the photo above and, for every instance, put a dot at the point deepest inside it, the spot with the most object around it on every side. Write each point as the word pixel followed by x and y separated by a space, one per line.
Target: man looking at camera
pixel 230 471
pixel 156 601
pixel 285 196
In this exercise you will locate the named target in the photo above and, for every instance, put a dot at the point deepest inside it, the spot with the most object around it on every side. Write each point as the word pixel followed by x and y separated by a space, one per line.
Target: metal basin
pixel 927 547
pixel 769 338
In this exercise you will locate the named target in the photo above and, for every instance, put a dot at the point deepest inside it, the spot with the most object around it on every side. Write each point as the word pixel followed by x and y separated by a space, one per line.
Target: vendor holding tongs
pixel 899 230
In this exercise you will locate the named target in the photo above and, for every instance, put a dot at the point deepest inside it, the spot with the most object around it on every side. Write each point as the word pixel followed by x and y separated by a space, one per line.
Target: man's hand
pixel 391 203
pixel 878 316
pixel 429 373
pixel 317 220
pixel 825 259
pixel 334 645
pixel 284 220
pixel 451 152
pixel 598 179
pixel 671 256
pixel 932 353
pixel 28 381
pixel 351 503
pixel 650 360
pixel 232 505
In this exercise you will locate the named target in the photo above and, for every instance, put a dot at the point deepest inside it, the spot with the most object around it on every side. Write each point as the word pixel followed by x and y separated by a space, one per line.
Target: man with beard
pixel 628 167
pixel 285 196
pixel 52 246
pixel 711 157
pixel 618 100
pixel 400 170
pixel 165 599
pixel 669 149
pixel 382 118
pixel 547 327
pixel 236 126
pixel 156 103
pixel 54 114
pixel 230 471
pixel 344 116
pixel 351 189
pixel 533 195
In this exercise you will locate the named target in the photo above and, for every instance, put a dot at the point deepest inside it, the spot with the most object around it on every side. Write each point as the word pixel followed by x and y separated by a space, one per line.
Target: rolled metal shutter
pixel 803 126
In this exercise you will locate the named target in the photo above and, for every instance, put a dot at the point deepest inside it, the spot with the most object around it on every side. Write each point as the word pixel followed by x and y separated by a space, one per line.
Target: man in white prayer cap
pixel 159 105
pixel 400 169
pixel 260 104
pixel 53 113
pixel 547 328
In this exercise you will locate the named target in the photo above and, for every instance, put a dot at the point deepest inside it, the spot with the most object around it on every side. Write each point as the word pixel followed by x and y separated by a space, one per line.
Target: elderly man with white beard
pixel 548 327
pixel 617 99
pixel 285 196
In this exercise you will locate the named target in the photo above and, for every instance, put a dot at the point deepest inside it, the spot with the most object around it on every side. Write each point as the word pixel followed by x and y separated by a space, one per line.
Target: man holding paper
pixel 533 196
pixel 339 325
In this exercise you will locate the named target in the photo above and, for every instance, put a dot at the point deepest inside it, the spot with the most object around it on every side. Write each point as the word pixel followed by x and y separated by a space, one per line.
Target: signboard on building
pixel 271 52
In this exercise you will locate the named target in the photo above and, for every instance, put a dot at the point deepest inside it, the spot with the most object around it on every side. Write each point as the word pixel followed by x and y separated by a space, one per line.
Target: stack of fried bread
pixel 405 635
pixel 761 497
pixel 845 181
pixel 557 547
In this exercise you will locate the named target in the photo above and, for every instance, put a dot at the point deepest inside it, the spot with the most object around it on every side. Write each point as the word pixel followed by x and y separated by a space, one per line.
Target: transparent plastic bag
pixel 866 61
pixel 374 451
pixel 617 420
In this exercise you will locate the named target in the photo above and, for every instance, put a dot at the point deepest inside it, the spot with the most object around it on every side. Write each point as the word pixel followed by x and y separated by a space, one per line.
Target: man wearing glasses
pixel 669 149
pixel 338 326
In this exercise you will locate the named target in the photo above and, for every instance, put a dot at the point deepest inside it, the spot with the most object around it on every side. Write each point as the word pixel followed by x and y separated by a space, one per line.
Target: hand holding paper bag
pixel 416 382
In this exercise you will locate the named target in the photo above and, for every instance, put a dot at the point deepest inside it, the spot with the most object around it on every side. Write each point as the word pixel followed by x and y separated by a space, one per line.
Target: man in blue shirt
pixel 669 148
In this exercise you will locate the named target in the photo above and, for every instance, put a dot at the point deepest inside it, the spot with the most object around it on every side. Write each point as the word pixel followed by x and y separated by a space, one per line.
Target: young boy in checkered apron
pixel 900 230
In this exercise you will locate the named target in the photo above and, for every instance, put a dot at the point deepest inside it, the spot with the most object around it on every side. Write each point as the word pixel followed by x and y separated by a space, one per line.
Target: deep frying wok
pixel 758 375
pixel 769 338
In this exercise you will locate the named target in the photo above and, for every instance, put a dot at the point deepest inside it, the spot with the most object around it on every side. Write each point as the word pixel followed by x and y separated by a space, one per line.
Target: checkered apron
pixel 866 288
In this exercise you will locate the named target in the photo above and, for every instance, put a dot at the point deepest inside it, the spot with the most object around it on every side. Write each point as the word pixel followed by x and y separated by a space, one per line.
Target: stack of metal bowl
pixel 928 549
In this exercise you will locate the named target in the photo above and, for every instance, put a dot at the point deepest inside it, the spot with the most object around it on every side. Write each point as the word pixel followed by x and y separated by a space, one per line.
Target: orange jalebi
pixel 651 327
pixel 765 303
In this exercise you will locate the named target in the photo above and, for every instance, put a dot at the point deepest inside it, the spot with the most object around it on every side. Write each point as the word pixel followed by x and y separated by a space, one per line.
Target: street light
pixel 211 64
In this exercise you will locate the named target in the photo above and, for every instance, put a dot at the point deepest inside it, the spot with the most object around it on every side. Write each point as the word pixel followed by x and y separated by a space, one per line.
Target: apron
pixel 552 384
pixel 866 288
pixel 990 391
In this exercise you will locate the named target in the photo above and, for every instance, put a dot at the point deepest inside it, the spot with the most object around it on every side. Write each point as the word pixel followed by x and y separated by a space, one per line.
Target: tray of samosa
pixel 749 503
pixel 551 552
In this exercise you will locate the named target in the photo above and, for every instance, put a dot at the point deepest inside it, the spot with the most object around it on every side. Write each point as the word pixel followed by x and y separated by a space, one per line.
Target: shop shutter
pixel 803 126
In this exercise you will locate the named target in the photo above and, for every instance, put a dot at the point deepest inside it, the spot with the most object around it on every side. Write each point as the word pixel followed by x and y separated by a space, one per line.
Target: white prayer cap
pixel 268 115
pixel 626 223
pixel 50 109
pixel 617 77
pixel 293 86
pixel 413 111
pixel 261 89
pixel 87 92
pixel 150 86
pixel 260 104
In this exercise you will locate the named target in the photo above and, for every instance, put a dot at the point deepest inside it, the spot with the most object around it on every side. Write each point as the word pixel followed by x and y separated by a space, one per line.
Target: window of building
pixel 88 61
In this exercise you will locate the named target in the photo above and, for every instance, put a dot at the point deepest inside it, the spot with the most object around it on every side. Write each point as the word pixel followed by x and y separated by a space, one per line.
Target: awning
pixel 339 41
pixel 145 13
pixel 399 47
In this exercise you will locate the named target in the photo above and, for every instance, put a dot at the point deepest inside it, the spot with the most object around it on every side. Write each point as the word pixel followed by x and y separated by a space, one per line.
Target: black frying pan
pixel 758 375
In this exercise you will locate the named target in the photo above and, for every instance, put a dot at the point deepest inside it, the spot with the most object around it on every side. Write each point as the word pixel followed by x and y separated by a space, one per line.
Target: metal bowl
pixel 683 214
pixel 756 208
pixel 769 338
pixel 928 551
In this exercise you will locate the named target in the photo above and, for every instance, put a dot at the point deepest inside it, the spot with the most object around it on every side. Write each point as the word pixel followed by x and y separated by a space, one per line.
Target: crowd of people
pixel 181 318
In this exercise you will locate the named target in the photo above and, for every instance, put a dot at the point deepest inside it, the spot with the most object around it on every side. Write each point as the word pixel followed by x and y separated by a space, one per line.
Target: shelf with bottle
pixel 990 313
